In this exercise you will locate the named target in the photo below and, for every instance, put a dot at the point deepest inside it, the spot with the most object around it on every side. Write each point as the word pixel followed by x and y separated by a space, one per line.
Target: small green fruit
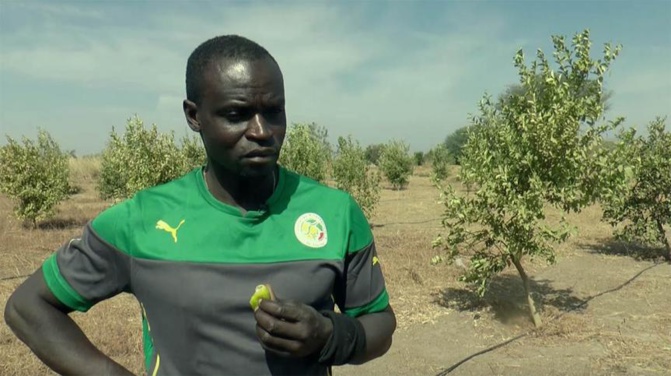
pixel 262 292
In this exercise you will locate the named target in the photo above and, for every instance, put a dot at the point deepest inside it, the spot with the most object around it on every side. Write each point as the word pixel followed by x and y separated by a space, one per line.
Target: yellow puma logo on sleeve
pixel 376 260
pixel 161 225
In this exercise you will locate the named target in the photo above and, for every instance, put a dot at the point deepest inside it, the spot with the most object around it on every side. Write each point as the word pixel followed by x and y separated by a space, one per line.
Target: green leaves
pixel 306 151
pixel 440 158
pixel 353 174
pixel 34 174
pixel 396 163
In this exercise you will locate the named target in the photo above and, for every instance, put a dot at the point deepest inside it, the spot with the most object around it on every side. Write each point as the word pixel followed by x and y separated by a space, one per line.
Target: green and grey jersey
pixel 193 262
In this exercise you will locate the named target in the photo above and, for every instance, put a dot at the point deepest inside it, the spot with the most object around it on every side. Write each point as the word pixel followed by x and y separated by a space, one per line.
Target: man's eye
pixel 234 115
pixel 275 111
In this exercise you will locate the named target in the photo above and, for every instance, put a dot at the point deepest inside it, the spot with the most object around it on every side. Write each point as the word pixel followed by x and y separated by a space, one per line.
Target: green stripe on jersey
pixel 61 288
pixel 377 305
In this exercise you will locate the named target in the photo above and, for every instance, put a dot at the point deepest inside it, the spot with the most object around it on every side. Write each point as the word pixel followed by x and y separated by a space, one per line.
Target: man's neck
pixel 247 194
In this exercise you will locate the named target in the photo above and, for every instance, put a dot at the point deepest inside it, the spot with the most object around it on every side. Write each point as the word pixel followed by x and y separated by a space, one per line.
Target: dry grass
pixel 405 224
pixel 84 169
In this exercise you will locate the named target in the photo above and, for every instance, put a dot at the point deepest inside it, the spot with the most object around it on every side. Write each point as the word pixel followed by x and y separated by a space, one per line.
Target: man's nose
pixel 258 128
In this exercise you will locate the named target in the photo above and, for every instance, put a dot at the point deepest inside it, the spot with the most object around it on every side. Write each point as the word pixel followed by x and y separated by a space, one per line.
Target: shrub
pixel 419 158
pixel 352 173
pixel 396 163
pixel 34 174
pixel 642 200
pixel 138 159
pixel 440 159
pixel 306 151
pixel 193 153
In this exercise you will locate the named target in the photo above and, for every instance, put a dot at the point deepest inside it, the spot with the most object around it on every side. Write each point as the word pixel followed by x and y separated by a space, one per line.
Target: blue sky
pixel 410 70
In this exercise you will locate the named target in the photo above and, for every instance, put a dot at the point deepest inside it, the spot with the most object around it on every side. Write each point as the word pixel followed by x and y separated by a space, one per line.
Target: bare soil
pixel 605 305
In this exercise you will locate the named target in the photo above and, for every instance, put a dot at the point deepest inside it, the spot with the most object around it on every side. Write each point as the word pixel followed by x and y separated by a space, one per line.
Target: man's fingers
pixel 289 311
pixel 281 346
pixel 278 327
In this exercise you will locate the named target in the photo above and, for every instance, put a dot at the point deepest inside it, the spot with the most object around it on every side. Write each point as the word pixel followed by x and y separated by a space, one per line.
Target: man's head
pixel 235 100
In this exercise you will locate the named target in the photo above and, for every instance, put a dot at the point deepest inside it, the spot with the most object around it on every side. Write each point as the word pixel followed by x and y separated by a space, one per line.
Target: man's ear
pixel 191 114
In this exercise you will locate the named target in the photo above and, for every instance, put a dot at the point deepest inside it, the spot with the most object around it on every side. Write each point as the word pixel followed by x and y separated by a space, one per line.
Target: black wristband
pixel 347 340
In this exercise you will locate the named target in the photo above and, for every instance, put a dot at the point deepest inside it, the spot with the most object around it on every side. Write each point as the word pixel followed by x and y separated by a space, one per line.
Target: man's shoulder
pixel 114 223
pixel 312 189
pixel 175 187
pixel 163 194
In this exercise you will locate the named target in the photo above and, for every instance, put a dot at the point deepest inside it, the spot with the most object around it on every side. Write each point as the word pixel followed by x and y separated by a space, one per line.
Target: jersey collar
pixel 230 209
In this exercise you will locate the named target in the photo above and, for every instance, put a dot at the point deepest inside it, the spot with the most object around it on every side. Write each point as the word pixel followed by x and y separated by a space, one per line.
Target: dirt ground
pixel 605 306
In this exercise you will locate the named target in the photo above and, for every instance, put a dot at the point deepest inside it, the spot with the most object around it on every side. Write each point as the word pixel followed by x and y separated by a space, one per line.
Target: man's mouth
pixel 260 155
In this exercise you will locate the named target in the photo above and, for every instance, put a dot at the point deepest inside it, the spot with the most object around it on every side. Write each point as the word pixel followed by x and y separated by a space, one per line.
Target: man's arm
pixel 41 321
pixel 379 329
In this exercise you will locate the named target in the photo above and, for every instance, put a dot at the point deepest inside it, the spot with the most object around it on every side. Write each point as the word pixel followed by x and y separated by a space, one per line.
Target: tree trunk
pixel 527 290
pixel 665 240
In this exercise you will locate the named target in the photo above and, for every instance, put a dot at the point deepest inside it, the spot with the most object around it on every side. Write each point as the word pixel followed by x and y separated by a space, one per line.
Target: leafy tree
pixel 352 173
pixel 419 158
pixel 440 159
pixel 528 150
pixel 307 151
pixel 396 163
pixel 609 145
pixel 455 143
pixel 138 159
pixel 35 175
pixel 643 202
pixel 373 152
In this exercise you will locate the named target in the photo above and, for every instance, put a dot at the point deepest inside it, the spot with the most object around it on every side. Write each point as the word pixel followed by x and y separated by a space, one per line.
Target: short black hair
pixel 224 46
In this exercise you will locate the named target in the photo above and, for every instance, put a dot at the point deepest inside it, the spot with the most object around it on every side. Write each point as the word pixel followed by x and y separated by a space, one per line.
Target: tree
pixel 539 146
pixel 352 173
pixel 306 151
pixel 193 153
pixel 396 163
pixel 35 175
pixel 455 143
pixel 373 152
pixel 643 201
pixel 140 158
pixel 440 159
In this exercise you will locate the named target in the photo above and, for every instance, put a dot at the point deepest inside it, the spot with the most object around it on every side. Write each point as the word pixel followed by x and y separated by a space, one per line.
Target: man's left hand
pixel 291 328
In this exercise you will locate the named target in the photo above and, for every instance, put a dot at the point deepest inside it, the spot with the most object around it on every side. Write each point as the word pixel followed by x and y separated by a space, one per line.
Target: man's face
pixel 241 116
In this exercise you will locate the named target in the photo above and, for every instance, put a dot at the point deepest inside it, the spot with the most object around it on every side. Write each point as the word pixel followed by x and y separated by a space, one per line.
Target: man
pixel 192 251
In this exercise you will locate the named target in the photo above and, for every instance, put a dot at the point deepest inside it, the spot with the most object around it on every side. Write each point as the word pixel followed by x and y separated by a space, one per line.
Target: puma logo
pixel 161 225
pixel 376 260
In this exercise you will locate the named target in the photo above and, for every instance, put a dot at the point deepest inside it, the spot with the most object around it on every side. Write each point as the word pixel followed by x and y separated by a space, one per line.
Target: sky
pixel 376 70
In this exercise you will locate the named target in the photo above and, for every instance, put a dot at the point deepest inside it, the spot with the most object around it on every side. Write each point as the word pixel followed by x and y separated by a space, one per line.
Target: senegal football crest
pixel 311 230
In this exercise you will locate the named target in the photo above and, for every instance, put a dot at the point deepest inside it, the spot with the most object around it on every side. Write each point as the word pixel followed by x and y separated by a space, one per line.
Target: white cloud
pixel 315 45
pixel 375 77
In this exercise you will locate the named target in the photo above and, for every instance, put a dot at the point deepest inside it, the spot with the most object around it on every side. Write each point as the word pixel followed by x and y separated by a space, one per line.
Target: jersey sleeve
pixel 91 267
pixel 362 289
